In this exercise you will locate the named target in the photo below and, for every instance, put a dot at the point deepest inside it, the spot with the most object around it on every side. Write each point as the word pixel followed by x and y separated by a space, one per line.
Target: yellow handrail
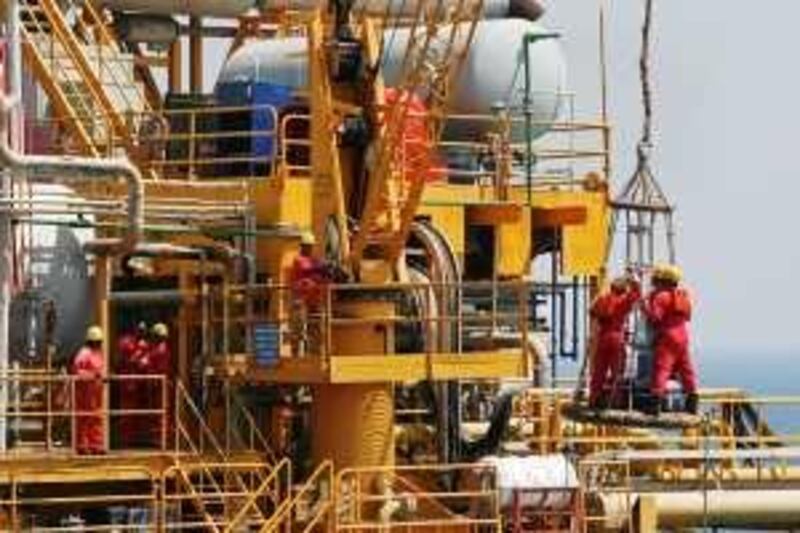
pixel 285 509
pixel 284 466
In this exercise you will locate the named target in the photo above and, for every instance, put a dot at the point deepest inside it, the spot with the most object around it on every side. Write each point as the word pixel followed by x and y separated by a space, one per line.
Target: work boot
pixel 655 405
pixel 692 403
pixel 600 403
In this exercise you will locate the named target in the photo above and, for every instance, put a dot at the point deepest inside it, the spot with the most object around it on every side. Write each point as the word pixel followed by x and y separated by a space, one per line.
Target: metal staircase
pixel 223 492
pixel 85 74
pixel 60 79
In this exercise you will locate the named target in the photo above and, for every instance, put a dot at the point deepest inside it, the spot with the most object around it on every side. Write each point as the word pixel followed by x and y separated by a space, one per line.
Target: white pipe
pixel 63 168
pixel 78 169
pixel 729 508
pixel 5 306
pixel 531 9
pixel 14 76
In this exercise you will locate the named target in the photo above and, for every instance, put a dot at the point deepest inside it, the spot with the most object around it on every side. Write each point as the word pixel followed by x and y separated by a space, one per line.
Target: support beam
pixel 5 305
pixel 646 515
pixel 175 74
pixel 102 289
pixel 184 285
pixel 196 55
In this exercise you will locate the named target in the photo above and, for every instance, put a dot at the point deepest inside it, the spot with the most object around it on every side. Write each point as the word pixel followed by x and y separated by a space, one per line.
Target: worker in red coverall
pixel 309 278
pixel 668 309
pixel 133 347
pixel 88 367
pixel 610 312
pixel 157 362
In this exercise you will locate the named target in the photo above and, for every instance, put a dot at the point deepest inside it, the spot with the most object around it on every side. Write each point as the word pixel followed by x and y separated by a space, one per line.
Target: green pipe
pixel 527 40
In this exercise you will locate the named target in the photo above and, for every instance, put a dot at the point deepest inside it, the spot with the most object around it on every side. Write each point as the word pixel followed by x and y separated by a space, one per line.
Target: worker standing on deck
pixel 308 278
pixel 88 367
pixel 610 312
pixel 133 347
pixel 157 362
pixel 668 309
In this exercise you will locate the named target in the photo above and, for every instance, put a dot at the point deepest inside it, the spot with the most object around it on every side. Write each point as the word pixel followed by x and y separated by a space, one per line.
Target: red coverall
pixel 133 392
pixel 308 280
pixel 610 311
pixel 669 311
pixel 156 362
pixel 89 437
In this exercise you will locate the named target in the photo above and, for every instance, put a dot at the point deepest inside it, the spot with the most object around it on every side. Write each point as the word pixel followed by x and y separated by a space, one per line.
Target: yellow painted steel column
pixel 647 515
pixel 184 284
pixel 353 424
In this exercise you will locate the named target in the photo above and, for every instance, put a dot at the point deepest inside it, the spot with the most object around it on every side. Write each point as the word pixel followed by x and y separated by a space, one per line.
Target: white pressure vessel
pixel 494 71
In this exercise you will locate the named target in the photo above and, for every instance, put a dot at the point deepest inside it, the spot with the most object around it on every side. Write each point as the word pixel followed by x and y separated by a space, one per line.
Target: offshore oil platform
pixel 341 286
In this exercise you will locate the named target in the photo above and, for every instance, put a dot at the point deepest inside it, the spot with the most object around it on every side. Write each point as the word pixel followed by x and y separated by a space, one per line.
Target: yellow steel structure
pixel 439 39
pixel 212 468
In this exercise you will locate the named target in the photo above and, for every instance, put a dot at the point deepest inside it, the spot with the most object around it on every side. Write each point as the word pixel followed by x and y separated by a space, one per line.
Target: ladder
pixel 85 74
pixel 438 40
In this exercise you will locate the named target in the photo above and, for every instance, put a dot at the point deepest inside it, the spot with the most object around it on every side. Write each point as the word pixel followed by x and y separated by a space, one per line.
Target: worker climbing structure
pixel 344 285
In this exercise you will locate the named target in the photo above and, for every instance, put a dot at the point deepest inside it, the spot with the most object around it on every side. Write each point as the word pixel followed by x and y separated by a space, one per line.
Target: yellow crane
pixel 439 36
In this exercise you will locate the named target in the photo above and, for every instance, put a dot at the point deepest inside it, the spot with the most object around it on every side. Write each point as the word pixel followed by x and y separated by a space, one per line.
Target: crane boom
pixel 440 34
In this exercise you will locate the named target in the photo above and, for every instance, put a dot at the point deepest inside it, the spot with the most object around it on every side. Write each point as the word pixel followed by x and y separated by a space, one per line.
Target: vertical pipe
pixel 604 86
pixel 226 316
pixel 575 288
pixel 554 308
pixel 164 411
pixel 196 55
pixel 528 111
pixel 184 285
pixel 102 288
pixel 175 73
pixel 251 251
pixel 5 306
pixel 13 72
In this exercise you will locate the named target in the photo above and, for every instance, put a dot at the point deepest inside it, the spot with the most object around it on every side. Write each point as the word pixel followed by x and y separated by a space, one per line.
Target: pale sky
pixel 726 123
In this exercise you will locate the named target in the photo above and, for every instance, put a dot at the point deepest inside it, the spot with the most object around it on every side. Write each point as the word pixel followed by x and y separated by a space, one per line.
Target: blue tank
pixel 266 101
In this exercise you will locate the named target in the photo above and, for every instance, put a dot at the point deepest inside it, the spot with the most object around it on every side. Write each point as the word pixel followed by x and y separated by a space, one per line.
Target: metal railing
pixel 607 495
pixel 46 408
pixel 220 501
pixel 241 430
pixel 372 499
pixel 426 319
pixel 208 142
pixel 310 507
pixel 731 420
pixel 261 141
pixel 496 162
pixel 28 505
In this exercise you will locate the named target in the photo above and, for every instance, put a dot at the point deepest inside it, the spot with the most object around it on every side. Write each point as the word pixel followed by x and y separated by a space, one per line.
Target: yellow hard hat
pixel 674 273
pixel 659 271
pixel 620 282
pixel 307 239
pixel 160 330
pixel 668 273
pixel 94 334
